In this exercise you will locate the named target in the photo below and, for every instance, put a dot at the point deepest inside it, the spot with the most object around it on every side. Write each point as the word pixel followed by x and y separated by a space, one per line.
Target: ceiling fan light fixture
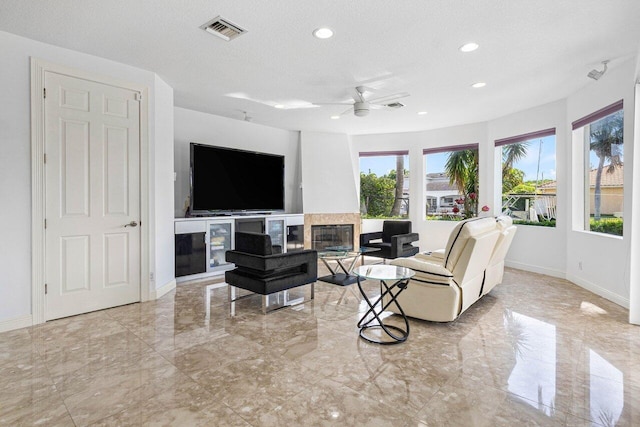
pixel 478 85
pixel 279 106
pixel 422 113
pixel 468 47
pixel 335 117
pixel 323 33
pixel 361 109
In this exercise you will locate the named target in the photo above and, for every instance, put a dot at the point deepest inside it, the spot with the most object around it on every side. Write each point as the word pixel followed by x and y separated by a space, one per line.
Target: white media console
pixel 201 243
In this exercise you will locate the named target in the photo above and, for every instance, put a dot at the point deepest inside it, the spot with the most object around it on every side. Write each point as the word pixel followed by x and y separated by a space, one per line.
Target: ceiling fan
pixel 362 105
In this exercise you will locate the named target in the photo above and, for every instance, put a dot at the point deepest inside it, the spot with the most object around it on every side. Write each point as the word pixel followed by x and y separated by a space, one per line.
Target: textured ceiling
pixel 531 53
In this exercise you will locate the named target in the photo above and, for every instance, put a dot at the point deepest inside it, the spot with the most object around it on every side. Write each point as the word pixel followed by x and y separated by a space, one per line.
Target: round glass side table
pixel 393 280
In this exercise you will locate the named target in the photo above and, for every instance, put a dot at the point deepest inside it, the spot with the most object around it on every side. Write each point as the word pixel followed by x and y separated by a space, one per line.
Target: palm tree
pixel 511 153
pixel 397 203
pixel 462 169
pixel 604 136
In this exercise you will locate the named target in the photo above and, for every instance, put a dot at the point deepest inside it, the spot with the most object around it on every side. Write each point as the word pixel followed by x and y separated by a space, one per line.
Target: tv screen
pixel 229 180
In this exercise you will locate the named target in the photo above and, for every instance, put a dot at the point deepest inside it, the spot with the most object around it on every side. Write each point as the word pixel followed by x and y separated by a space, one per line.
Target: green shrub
pixel 545 223
pixel 607 226
pixel 445 218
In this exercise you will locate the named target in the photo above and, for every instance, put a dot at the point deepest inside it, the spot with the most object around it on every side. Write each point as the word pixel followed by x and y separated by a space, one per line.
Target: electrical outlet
pixel 580 265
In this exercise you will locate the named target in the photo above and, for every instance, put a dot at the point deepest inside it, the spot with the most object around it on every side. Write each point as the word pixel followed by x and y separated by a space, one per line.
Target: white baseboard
pixel 591 287
pixel 162 290
pixel 598 290
pixel 16 323
pixel 535 269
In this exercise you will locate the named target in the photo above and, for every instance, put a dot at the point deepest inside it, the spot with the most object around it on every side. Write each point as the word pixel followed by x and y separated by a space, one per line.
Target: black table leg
pixel 364 324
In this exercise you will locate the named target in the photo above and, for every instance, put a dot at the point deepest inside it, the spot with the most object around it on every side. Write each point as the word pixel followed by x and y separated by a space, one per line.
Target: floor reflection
pixel 606 390
pixel 534 376
pixel 537 351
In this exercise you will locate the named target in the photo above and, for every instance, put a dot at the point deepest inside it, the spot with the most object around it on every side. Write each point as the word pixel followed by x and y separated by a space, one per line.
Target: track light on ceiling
pixel 595 74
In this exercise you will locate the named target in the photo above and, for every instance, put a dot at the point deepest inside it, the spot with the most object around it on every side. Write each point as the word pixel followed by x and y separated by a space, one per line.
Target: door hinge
pixel 44 93
pixel 138 96
pixel 45 223
pixel 46 289
pixel 45 157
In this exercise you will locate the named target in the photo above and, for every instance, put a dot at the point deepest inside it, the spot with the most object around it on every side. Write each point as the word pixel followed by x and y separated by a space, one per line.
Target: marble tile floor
pixel 536 351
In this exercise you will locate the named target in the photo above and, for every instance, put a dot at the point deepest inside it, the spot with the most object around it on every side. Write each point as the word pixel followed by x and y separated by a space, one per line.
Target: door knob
pixel 132 224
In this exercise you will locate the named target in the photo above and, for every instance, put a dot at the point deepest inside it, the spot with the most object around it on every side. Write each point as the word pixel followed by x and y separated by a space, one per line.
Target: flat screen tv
pixel 225 180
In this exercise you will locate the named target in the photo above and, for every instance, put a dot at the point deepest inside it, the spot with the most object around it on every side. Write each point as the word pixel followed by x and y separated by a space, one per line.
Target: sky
pixel 544 147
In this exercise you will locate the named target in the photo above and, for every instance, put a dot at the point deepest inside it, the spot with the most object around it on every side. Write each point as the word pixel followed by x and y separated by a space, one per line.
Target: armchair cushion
pixel 394 228
pixel 253 243
pixel 260 271
pixel 426 272
pixel 395 240
pixel 461 234
pixel 268 263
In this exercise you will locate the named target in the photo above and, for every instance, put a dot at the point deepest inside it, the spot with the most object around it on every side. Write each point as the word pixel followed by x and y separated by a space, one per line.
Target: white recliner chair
pixel 495 270
pixel 446 284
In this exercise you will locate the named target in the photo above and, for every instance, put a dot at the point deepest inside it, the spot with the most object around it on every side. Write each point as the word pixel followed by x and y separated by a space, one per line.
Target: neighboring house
pixel 441 194
pixel 611 190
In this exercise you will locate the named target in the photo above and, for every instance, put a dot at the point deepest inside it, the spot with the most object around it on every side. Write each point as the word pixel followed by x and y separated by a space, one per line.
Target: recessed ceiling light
pixel 479 85
pixel 469 47
pixel 323 33
pixel 335 117
pixel 422 113
pixel 280 106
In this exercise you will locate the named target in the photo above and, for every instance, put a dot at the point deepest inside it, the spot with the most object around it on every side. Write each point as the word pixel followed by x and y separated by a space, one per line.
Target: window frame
pixel 581 134
pixel 386 153
pixel 499 143
pixel 446 149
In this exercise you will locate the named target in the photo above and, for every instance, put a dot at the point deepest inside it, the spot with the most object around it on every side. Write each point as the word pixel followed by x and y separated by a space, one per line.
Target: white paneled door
pixel 92 147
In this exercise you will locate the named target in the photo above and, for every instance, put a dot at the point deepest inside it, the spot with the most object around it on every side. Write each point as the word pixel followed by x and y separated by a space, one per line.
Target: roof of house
pixel 608 179
pixel 441 186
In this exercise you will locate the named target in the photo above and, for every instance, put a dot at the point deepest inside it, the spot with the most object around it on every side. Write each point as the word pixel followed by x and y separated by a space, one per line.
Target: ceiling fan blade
pixel 389 98
pixel 348 110
pixel 332 103
pixel 358 94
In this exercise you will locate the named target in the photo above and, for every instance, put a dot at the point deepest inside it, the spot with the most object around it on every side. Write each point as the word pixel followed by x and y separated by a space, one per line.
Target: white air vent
pixel 395 105
pixel 223 28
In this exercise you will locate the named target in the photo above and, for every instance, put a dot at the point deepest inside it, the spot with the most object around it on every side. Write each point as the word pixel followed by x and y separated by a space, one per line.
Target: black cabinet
pixel 191 254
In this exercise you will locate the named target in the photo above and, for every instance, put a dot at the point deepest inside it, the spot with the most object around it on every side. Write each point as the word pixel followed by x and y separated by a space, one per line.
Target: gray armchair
pixel 260 270
pixel 394 240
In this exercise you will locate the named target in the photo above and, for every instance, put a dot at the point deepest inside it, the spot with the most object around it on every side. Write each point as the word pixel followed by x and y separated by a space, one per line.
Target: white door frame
pixel 38 69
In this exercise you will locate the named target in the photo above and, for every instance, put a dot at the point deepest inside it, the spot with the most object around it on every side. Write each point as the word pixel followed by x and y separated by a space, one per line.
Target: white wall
pixel 194 126
pixel 539 249
pixel 15 160
pixel 327 174
pixel 605 259
pixel 162 149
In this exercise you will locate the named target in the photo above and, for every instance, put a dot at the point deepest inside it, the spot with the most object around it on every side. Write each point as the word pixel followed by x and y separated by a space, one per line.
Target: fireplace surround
pixel 333 231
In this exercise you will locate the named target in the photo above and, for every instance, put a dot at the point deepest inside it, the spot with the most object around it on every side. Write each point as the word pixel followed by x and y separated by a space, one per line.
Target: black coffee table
pixel 342 274
pixel 399 277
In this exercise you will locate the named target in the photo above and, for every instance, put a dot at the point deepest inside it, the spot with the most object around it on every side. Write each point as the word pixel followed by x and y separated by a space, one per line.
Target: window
pixel 601 135
pixel 528 172
pixel 451 182
pixel 384 184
